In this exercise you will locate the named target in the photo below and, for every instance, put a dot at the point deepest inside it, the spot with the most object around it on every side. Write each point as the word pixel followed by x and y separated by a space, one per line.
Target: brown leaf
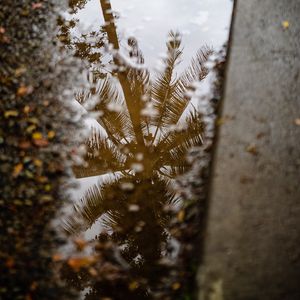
pixel 252 148
pixel 181 215
pixel 41 143
pixel 10 262
pixel 57 257
pixel 24 145
pixel 33 286
pixel 93 272
pixel 80 243
pixel 77 263
pixel 24 90
pixel 20 71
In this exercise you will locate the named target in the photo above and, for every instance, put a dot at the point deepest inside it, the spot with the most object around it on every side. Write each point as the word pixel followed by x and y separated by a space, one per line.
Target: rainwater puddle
pixel 147 67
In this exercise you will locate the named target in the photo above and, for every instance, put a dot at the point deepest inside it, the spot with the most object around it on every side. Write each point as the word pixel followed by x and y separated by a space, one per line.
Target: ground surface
pixel 252 246
pixel 33 149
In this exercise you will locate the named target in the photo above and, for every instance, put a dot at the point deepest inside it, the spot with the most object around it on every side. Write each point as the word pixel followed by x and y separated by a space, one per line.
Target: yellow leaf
pixel 48 187
pixel 38 163
pixel 51 134
pixel 285 24
pixel 30 128
pixel 11 113
pixel 17 170
pixel 26 109
pixel 176 286
pixel 33 120
pixel 42 179
pixel 37 136
pixel 133 285
pixel 181 215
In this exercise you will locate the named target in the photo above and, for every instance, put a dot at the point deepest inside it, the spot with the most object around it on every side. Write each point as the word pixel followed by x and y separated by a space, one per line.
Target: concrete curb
pixel 252 242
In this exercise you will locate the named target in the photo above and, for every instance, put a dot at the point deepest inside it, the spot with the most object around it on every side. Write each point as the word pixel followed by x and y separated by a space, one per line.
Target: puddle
pixel 147 64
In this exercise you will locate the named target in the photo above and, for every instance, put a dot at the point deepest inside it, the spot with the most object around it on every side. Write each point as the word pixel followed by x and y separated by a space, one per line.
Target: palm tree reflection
pixel 142 149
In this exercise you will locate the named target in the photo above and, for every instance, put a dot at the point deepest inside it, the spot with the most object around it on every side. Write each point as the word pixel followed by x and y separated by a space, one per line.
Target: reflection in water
pixel 146 132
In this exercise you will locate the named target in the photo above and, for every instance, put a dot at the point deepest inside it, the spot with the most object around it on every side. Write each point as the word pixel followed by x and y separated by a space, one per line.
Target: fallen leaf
pixel 80 243
pixel 285 24
pixel 33 286
pixel 77 263
pixel 30 128
pixel 181 215
pixel 93 272
pixel 176 286
pixel 46 199
pixel 11 113
pixel 20 71
pixel 24 90
pixel 10 262
pixel 41 142
pixel 252 149
pixel 260 135
pixel 26 109
pixel 57 257
pixel 51 134
pixel 33 120
pixel 42 179
pixel 48 187
pixel 246 179
pixel 24 145
pixel 17 170
pixel 38 162
pixel 37 136
pixel 133 285
pixel 297 121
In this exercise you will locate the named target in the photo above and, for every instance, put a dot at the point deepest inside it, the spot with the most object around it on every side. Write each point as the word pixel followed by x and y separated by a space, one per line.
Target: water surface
pixel 146 61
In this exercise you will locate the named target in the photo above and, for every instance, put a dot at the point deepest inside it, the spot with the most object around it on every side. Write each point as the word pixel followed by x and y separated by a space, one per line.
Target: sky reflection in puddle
pixel 147 121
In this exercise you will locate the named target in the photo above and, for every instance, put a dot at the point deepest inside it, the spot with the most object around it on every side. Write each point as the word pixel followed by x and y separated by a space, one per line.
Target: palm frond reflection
pixel 148 131
pixel 150 125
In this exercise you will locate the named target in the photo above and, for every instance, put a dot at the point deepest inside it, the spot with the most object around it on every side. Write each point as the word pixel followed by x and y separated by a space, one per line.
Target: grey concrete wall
pixel 252 248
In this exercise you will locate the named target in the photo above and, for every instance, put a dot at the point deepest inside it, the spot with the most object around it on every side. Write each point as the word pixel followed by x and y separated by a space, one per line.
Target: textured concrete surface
pixel 252 249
